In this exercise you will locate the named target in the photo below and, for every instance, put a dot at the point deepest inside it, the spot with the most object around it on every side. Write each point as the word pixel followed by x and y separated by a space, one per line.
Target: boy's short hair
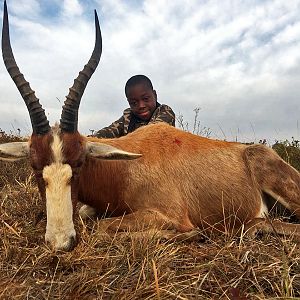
pixel 137 79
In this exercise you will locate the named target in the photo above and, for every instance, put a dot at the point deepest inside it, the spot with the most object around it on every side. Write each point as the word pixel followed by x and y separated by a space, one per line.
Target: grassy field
pixel 127 267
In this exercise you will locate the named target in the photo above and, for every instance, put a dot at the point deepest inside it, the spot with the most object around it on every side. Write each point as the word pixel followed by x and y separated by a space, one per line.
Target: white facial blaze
pixel 56 147
pixel 60 228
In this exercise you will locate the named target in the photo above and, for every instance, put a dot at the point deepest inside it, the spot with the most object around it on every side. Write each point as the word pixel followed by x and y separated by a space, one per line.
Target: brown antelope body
pixel 177 180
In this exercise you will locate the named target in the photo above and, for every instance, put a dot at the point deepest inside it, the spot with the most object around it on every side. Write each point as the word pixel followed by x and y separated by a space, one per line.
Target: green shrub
pixel 289 151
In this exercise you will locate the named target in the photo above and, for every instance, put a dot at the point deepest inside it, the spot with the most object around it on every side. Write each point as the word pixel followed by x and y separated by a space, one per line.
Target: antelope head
pixel 56 154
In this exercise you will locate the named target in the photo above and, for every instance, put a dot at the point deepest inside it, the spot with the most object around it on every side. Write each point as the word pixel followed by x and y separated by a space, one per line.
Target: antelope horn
pixel 39 122
pixel 69 115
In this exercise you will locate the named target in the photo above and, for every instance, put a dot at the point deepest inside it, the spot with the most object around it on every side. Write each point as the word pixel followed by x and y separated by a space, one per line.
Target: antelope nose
pixel 67 245
pixel 72 243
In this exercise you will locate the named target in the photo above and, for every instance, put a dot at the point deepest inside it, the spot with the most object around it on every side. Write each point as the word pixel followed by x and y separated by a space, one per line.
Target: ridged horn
pixel 39 122
pixel 69 116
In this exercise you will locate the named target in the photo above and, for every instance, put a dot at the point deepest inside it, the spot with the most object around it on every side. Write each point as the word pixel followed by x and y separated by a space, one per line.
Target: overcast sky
pixel 238 61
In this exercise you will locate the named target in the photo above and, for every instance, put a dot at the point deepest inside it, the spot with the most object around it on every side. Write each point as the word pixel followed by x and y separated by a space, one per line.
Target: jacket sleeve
pixel 165 114
pixel 116 129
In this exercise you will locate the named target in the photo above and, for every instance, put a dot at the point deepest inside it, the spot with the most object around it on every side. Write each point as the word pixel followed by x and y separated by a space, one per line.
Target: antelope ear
pixel 104 151
pixel 14 151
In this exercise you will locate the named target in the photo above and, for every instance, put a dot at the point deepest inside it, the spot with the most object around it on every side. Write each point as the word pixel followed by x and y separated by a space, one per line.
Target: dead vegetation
pixel 127 267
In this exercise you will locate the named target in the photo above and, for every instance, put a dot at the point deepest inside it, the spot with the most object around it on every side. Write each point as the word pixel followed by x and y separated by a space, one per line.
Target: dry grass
pixel 127 267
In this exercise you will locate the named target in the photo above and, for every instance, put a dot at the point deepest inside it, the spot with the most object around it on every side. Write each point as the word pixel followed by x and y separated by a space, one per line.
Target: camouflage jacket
pixel 129 122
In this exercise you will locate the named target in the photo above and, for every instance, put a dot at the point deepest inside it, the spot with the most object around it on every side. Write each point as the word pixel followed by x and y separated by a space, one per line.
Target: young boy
pixel 144 109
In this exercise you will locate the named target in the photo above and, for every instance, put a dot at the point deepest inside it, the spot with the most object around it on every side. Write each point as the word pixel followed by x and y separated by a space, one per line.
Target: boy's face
pixel 142 101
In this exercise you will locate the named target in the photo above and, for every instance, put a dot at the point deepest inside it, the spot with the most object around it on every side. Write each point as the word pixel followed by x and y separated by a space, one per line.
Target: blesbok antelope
pixel 176 180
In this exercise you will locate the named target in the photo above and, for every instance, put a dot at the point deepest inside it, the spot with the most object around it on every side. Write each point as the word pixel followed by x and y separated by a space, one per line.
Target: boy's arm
pixel 165 114
pixel 116 129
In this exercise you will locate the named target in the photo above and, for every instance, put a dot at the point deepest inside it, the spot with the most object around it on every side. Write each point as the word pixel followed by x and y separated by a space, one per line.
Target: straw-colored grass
pixel 124 266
